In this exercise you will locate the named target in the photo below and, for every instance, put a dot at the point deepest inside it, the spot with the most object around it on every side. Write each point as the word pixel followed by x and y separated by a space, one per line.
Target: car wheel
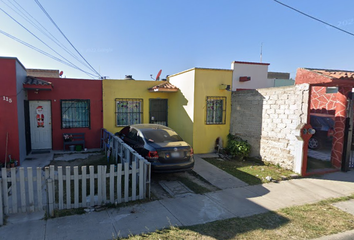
pixel 314 143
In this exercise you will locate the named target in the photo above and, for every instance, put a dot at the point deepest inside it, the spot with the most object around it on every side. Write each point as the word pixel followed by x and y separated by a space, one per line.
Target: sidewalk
pixel 230 202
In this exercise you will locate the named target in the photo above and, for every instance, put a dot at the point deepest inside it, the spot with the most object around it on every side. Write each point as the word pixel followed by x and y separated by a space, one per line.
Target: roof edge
pixel 14 58
pixel 251 63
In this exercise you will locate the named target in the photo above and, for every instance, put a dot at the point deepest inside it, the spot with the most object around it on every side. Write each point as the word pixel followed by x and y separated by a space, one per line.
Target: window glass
pixel 75 113
pixel 215 110
pixel 129 111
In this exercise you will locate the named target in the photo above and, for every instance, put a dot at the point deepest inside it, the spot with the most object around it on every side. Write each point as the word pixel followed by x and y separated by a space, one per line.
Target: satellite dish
pixel 158 75
pixel 61 73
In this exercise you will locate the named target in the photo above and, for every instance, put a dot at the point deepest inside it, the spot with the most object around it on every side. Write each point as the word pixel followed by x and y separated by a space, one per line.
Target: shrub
pixel 237 147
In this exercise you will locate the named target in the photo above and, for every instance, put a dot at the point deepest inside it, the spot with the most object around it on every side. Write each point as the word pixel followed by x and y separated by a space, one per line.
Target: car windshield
pixel 161 135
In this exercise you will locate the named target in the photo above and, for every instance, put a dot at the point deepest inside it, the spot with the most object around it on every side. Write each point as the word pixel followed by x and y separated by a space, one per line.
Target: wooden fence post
pixel 76 186
pixel 30 188
pixel 1 207
pixel 111 183
pixel 39 188
pixel 141 179
pixel 147 179
pixel 83 186
pixel 22 189
pixel 68 186
pixel 50 189
pixel 99 184
pixel 119 182
pixel 92 186
pixel 5 190
pixel 104 185
pixel 14 190
pixel 133 187
pixel 126 181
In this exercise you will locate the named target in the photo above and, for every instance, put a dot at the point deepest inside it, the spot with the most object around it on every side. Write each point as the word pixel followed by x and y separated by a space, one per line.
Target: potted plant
pixel 68 137
pixel 12 163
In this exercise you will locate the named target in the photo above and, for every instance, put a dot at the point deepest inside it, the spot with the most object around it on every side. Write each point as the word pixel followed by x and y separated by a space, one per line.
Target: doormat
pixel 29 158
pixel 40 152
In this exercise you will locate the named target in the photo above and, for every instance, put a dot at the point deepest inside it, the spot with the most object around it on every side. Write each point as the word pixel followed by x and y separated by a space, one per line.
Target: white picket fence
pixel 29 190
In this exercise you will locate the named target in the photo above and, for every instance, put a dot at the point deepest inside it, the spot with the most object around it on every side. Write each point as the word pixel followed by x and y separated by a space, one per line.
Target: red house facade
pixel 333 104
pixel 38 111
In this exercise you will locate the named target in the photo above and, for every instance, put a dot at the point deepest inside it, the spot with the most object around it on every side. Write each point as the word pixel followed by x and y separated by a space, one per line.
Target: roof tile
pixel 164 86
pixel 35 81
pixel 335 74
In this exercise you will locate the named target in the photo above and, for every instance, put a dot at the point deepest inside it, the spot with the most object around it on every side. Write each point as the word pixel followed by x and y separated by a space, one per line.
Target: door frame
pixel 27 127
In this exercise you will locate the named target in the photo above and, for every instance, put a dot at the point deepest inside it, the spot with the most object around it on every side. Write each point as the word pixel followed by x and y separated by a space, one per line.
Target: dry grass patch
pixel 251 170
pixel 300 222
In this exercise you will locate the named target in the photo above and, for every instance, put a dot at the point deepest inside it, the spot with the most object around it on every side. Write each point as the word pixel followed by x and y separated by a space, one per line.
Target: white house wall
pixel 257 72
pixel 186 83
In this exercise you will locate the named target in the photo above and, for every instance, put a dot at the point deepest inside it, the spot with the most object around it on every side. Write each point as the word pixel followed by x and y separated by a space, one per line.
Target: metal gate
pixel 351 162
pixel 348 153
pixel 158 111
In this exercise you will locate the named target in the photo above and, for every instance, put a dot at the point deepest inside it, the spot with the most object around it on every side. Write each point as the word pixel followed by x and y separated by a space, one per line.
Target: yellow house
pixel 128 102
pixel 196 103
pixel 202 106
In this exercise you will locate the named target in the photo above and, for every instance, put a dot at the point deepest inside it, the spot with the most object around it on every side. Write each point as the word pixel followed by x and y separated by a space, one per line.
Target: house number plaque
pixel 7 99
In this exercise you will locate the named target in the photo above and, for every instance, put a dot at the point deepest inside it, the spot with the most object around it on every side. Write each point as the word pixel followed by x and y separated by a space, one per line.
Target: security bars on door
pixel 215 110
pixel 129 111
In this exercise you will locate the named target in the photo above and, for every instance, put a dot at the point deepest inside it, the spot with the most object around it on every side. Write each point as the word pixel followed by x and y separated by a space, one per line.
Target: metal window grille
pixel 75 113
pixel 215 110
pixel 129 111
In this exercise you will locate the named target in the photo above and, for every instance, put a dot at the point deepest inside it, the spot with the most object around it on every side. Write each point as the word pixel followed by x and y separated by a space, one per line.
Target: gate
pixel 158 111
pixel 348 153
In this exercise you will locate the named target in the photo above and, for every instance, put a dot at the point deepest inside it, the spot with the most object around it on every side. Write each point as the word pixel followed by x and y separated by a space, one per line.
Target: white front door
pixel 41 124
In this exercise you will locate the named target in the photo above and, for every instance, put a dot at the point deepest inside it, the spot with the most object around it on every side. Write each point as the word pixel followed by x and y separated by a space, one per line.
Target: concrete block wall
pixel 267 118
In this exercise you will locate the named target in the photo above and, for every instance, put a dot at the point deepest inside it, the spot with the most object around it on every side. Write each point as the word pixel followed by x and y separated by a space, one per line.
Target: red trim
pixel 39 87
pixel 252 63
pixel 244 79
pixel 243 89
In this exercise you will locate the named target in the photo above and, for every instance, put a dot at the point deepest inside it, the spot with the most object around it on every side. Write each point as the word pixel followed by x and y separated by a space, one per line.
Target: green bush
pixel 237 147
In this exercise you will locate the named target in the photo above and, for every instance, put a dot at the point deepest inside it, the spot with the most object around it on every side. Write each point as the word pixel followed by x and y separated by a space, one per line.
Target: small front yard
pixel 251 170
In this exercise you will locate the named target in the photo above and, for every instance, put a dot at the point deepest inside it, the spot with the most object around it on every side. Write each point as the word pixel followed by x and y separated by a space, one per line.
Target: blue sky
pixel 140 37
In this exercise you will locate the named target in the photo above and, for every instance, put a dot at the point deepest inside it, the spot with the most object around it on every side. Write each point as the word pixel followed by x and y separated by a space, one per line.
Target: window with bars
pixel 129 111
pixel 215 110
pixel 75 113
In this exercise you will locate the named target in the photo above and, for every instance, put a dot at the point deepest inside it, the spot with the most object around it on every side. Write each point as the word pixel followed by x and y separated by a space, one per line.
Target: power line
pixel 40 27
pixel 43 52
pixel 27 16
pixel 314 18
pixel 24 16
pixel 39 4
pixel 70 63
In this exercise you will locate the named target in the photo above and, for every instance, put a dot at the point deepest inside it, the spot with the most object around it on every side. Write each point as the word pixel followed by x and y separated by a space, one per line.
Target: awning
pixel 33 83
pixel 164 87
